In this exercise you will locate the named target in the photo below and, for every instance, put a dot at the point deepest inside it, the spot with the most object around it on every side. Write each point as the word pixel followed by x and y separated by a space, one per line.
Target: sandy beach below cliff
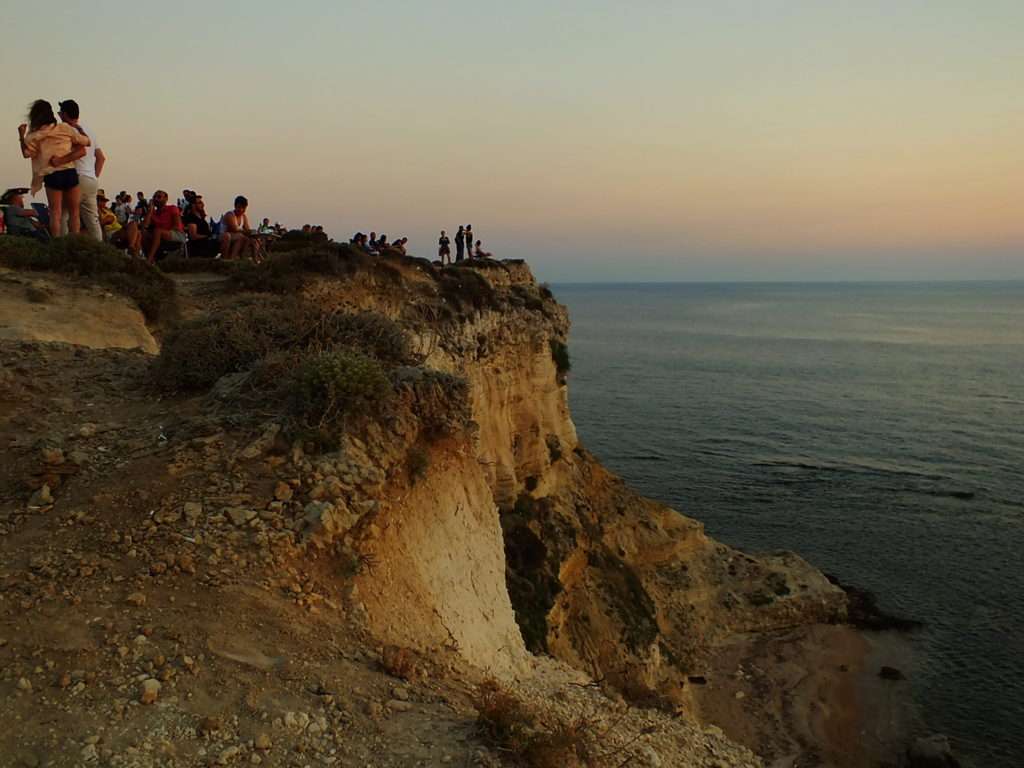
pixel 812 696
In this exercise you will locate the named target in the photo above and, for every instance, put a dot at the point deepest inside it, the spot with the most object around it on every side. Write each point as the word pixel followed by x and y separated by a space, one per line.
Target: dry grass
pixel 509 726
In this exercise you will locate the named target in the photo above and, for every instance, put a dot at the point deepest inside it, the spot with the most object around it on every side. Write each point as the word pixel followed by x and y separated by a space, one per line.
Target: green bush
pixel 328 385
pixel 374 334
pixel 82 256
pixel 560 354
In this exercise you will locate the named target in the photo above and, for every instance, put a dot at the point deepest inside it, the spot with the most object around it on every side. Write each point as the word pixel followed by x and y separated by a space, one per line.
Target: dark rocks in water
pixel 891 673
pixel 863 611
pixel 931 752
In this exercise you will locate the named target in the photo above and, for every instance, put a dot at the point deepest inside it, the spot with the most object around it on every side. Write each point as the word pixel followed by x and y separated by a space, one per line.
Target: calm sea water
pixel 876 429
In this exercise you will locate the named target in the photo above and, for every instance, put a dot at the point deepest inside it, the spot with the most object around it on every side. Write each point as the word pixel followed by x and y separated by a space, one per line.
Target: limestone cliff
pixel 627 590
pixel 460 522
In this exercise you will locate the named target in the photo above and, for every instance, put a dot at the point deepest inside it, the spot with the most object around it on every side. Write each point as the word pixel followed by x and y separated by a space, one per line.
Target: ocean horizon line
pixel 946 282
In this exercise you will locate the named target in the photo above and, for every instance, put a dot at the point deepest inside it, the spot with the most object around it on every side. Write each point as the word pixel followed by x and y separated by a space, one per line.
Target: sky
pixel 602 141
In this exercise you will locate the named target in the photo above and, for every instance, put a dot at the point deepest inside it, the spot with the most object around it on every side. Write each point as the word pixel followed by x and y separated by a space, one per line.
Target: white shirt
pixel 86 165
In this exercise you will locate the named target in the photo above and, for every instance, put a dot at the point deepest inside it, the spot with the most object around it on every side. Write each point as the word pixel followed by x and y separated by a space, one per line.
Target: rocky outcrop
pixel 629 591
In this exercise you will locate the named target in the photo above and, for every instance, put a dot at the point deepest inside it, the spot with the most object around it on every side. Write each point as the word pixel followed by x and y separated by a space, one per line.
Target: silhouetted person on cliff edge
pixel 444 248
pixel 469 241
pixel 460 243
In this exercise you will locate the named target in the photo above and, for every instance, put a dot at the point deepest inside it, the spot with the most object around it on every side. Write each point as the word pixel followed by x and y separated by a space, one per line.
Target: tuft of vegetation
pixel 82 256
pixel 293 261
pixel 198 353
pixel 508 725
pixel 329 384
pixel 554 447
pixel 374 334
pixel 560 354
pixel 417 463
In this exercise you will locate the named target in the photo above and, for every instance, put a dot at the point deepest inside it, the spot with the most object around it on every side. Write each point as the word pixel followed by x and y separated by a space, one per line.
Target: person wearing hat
pixel 19 219
pixel 89 167
pixel 126 236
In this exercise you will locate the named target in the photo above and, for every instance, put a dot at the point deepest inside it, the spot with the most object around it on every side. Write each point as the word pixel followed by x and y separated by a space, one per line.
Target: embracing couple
pixel 66 162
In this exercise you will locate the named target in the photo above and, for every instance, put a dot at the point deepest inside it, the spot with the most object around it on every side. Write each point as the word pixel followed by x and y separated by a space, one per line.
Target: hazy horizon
pixel 776 140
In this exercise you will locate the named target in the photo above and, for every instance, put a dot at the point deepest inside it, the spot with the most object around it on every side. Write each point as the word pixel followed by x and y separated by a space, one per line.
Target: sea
pixel 877 429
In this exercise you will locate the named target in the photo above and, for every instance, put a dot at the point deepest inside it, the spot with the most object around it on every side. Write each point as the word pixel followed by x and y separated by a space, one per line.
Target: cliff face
pixel 517 539
pixel 462 521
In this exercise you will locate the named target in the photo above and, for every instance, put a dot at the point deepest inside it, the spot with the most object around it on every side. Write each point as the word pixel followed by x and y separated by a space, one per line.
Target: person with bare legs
pixel 234 229
pixel 49 144
pixel 161 225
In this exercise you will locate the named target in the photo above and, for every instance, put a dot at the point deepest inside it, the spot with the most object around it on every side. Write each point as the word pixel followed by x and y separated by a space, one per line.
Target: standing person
pixel 460 243
pixel 89 168
pixel 52 149
pixel 161 225
pixel 469 241
pixel 444 248
pixel 234 229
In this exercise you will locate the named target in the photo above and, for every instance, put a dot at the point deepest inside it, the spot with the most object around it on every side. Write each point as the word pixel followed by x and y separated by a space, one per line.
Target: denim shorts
pixel 61 180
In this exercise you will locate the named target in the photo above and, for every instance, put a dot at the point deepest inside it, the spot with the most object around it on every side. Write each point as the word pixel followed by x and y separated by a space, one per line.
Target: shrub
pixel 330 383
pixel 560 354
pixel 417 463
pixel 82 256
pixel 374 334
pixel 288 266
pixel 195 355
pixel 508 725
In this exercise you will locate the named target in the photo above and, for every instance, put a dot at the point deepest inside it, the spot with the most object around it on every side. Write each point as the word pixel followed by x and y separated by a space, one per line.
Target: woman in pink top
pixel 54 148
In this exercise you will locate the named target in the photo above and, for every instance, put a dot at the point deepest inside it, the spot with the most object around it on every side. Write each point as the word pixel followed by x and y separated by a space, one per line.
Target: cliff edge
pixel 343 515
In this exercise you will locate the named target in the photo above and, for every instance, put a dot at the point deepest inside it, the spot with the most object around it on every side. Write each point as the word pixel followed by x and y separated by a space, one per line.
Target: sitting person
pixel 162 224
pixel 20 220
pixel 127 236
pixel 201 242
pixel 234 229
pixel 266 229
pixel 480 253
pixel 123 207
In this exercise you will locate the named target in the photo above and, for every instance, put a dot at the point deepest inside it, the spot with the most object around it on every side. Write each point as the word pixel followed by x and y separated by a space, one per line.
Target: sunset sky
pixel 759 140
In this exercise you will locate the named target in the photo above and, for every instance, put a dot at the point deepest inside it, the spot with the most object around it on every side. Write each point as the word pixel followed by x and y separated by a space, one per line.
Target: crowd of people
pixel 67 162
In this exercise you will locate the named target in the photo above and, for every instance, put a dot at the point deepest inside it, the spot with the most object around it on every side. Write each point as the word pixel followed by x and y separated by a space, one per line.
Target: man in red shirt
pixel 161 225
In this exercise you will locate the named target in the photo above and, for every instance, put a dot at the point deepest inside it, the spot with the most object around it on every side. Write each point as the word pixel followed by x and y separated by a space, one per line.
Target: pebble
pixel 150 691
pixel 193 511
pixel 53 456
pixel 87 430
pixel 136 598
pixel 240 516
pixel 24 684
pixel 263 742
pixel 41 498
pixel 283 492
pixel 89 753
pixel 228 755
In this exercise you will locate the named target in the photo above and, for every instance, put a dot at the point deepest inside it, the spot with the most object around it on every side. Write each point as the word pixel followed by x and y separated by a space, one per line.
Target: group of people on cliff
pixel 464 247
pixel 67 162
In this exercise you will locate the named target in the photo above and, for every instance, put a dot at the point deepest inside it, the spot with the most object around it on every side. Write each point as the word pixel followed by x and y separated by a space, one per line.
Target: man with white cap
pixel 89 167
